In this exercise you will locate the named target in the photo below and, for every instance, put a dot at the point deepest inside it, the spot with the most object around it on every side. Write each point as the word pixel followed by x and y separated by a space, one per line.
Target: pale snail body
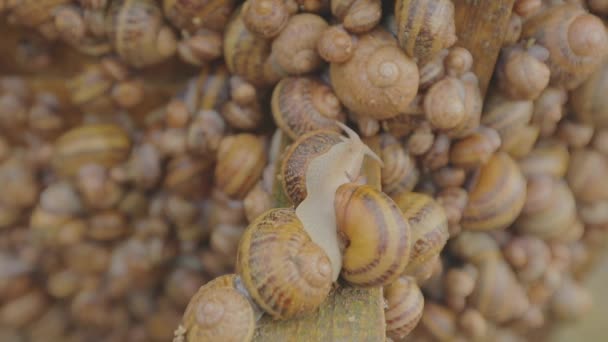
pixel 218 311
pixel 399 173
pixel 379 80
pixel 496 195
pixel 103 144
pixel 357 16
pixel 312 170
pixel 425 27
pixel 552 220
pixel 429 227
pixel 589 101
pixel 137 31
pixel 195 14
pixel 241 160
pixel 246 54
pixel 405 304
pixel 576 40
pixel 285 272
pixel 376 235
pixel 304 104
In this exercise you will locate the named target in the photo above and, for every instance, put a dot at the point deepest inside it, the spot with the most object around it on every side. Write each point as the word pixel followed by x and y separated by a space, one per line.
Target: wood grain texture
pixel 481 26
pixel 349 313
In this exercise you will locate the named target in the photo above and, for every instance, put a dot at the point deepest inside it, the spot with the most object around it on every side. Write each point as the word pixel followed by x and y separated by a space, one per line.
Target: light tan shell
pixel 379 81
pixel 506 116
pixel 285 273
pixel 195 14
pixel 376 235
pixel 405 304
pixel 587 168
pixel 399 173
pixel 589 102
pixel 218 311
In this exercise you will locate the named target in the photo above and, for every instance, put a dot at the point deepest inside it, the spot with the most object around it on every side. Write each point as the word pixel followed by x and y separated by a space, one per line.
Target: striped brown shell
pixel 589 102
pixel 194 14
pixel 285 273
pixel 376 236
pixel 297 158
pixel 429 227
pixel 405 304
pixel 103 144
pixel 425 27
pixel 305 104
pixel 138 33
pixel 246 54
pixel 399 173
pixel 496 195
pixel 576 40
pixel 219 312
pixel 240 161
pixel 507 117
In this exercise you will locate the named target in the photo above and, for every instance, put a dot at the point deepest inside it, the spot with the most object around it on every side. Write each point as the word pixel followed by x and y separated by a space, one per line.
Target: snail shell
pixel 219 312
pixel 476 149
pixel 137 31
pixel 192 15
pixel 299 56
pixel 33 13
pixel 507 117
pixel 444 103
pixel 425 27
pixel 523 141
pixel 305 104
pixel 240 161
pixel 405 304
pixel 498 296
pixel 102 144
pixel 265 18
pixel 521 74
pixel 473 103
pixel 438 322
pixel 400 173
pixel 376 236
pixel 496 195
pixel 589 102
pixel 529 256
pixel 576 40
pixel 379 81
pixel 547 159
pixel 246 54
pixel 357 16
pixel 428 224
pixel 553 219
pixel 586 173
pixel 570 301
pixel 285 273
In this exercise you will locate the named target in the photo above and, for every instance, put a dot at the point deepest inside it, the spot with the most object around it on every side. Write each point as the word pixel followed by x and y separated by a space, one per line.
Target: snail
pixel 285 272
pixel 218 311
pixel 376 235
pixel 513 29
pixel 405 304
pixel 200 48
pixel 400 173
pixel 313 168
pixel 549 109
pixel 379 80
pixel 507 117
pixel 496 195
pixel 444 103
pixel 240 161
pixel 599 7
pixel 458 61
pixel 586 165
pixel 588 102
pixel 576 40
pixel 476 149
pixel 357 16
pixel 266 18
pixel 137 31
pixel 522 72
pixel 192 15
pixel 103 144
pixel 570 301
pixel 304 104
pixel 435 70
pixel 336 45
pixel 551 158
pixel 429 228
pixel 529 256
pixel 425 27
pixel 33 13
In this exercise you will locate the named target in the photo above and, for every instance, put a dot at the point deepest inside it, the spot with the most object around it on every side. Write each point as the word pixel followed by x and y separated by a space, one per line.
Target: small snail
pixel 136 30
pixel 588 102
pixel 240 161
pixel 529 256
pixel 599 7
pixel 476 149
pixel 285 272
pixel 218 311
pixel 201 48
pixel 438 322
pixel 376 236
pixel 496 195
pixel 549 109
pixel 522 73
pixel 103 144
pixel 425 27
pixel 570 301
pixel 357 16
pixel 192 15
pixel 399 173
pixel 586 168
pixel 312 170
pixel 304 104
pixel 547 159
pixel 379 80
pixel 506 116
pixel 428 225
pixel 444 103
pixel 33 13
pixel 405 304
pixel 336 45
pixel 523 142
pixel 265 18
pixel 576 40
pixel 473 103
pixel 435 70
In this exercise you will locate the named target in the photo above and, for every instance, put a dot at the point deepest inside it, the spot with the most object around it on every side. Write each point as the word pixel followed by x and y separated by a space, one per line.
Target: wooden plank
pixel 481 26
pixel 349 313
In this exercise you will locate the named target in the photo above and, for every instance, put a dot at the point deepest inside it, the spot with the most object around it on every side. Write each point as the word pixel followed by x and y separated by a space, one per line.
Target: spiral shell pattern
pixel 405 304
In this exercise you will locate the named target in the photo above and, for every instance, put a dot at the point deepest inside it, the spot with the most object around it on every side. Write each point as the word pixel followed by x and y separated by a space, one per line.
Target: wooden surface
pixel 481 26
pixel 349 313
